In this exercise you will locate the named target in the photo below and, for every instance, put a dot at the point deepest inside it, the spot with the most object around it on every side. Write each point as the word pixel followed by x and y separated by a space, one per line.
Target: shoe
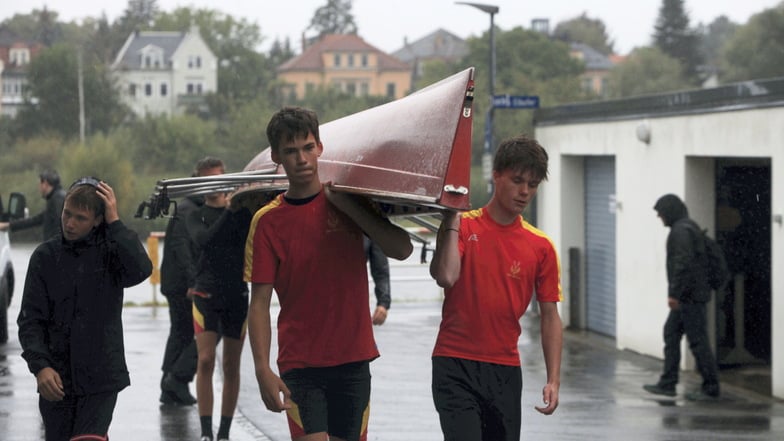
pixel 168 398
pixel 205 438
pixel 659 390
pixel 701 395
pixel 179 390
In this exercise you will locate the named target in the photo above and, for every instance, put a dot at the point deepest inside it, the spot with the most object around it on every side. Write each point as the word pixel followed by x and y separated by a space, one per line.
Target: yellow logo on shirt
pixel 514 270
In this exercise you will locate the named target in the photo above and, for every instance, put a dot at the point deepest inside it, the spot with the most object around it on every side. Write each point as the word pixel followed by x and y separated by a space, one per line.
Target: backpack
pixel 717 270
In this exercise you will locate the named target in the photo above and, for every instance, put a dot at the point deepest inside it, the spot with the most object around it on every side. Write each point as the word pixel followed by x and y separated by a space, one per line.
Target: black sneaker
pixel 179 390
pixel 701 395
pixel 168 399
pixel 659 390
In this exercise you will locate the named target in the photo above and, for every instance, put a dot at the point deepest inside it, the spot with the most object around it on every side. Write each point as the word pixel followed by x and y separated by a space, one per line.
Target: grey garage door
pixel 600 244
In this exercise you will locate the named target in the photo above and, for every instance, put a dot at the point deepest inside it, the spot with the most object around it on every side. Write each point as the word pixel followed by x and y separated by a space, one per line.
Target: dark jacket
pixel 219 235
pixel 379 270
pixel 71 312
pixel 178 271
pixel 49 219
pixel 687 275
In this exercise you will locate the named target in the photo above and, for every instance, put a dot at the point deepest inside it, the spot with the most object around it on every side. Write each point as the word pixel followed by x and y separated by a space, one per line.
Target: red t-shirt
pixel 501 267
pixel 314 257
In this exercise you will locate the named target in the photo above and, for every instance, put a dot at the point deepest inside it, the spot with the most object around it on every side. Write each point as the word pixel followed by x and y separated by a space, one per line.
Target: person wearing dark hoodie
pixel 688 293
pixel 70 322
pixel 49 218
pixel 178 273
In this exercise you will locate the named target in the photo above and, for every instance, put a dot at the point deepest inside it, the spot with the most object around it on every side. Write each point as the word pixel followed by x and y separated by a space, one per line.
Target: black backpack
pixel 717 270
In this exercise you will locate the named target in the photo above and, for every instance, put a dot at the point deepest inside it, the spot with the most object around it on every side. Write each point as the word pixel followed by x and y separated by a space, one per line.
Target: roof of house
pixel 310 58
pixel 440 44
pixel 594 60
pixel 129 58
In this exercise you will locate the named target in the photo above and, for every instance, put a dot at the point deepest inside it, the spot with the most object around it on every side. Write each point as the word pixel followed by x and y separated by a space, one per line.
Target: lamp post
pixel 487 155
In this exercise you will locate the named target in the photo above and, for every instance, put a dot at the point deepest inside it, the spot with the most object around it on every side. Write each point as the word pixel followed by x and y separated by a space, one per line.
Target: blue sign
pixel 515 102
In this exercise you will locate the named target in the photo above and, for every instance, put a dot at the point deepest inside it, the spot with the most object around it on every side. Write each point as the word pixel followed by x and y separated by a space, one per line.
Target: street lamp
pixel 487 155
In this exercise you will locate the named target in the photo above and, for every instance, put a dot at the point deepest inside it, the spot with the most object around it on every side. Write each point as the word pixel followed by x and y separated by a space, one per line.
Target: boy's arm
pixel 260 337
pixel 445 266
pixel 33 315
pixel 393 240
pixel 552 344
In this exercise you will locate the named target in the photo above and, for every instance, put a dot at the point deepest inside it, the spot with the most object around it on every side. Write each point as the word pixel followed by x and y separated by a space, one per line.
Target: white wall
pixel 677 160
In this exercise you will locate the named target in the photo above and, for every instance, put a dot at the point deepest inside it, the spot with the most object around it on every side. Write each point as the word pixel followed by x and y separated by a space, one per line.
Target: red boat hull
pixel 410 155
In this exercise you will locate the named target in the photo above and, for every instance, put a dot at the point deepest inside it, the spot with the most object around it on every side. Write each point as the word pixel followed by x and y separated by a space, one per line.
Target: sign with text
pixel 515 102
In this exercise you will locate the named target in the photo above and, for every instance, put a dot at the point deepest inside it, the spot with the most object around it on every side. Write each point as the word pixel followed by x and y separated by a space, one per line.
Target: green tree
pixel 582 29
pixel 52 101
pixel 713 37
pixel 756 50
pixel 673 36
pixel 334 18
pixel 646 70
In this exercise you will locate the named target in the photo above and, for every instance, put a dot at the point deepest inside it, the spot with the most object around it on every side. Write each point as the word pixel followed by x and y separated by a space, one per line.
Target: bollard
pixel 152 251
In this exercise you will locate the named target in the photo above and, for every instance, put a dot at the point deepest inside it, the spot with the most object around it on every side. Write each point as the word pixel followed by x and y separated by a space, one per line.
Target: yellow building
pixel 348 63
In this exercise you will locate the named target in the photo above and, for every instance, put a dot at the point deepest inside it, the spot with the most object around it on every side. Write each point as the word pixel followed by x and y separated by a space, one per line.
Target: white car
pixel 16 209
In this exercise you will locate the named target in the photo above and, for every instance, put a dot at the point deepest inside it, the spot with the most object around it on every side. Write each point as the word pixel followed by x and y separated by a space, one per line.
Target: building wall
pixel 376 81
pixel 183 74
pixel 678 159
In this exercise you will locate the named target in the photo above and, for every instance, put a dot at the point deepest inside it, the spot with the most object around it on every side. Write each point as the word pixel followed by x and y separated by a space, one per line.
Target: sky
pixel 387 24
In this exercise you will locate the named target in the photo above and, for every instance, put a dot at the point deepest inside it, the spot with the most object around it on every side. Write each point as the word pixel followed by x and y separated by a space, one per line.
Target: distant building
pixel 347 63
pixel 165 72
pixel 597 68
pixel 440 45
pixel 15 57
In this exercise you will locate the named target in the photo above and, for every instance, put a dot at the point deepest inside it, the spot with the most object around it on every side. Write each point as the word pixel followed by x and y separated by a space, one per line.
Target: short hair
pixel 50 176
pixel 521 153
pixel 84 195
pixel 290 123
pixel 206 164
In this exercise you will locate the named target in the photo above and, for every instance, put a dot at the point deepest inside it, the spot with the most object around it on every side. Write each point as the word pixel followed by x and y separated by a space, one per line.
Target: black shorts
pixel 225 314
pixel 335 400
pixel 73 416
pixel 477 400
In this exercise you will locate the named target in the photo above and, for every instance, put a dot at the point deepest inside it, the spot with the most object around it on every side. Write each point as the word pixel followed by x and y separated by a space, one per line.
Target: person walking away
pixel 307 244
pixel 490 262
pixel 177 276
pixel 220 302
pixel 379 271
pixel 49 218
pixel 70 321
pixel 688 293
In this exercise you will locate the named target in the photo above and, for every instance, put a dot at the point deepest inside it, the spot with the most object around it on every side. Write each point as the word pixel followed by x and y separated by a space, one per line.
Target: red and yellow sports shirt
pixel 501 268
pixel 313 255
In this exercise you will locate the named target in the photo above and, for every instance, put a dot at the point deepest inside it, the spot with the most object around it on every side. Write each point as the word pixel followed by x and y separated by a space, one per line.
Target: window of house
pixel 19 57
pixel 364 89
pixel 164 89
pixel 194 62
pixel 390 90
pixel 147 61
pixel 199 89
pixel 364 60
pixel 148 89
pixel 350 60
pixel 132 89
pixel 351 88
pixel 309 88
pixel 337 60
pixel 189 88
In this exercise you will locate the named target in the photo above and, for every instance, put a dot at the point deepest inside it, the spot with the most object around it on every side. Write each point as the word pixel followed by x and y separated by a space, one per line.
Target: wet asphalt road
pixel 601 395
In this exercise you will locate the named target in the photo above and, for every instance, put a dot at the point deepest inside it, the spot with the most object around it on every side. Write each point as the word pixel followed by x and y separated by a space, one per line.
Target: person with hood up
pixel 688 293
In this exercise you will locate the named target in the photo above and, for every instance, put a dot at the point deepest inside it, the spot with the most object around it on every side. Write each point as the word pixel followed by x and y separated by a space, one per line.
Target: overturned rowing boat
pixel 411 156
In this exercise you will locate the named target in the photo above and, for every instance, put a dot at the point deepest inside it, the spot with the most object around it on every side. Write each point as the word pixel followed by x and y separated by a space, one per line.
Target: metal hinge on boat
pixel 449 188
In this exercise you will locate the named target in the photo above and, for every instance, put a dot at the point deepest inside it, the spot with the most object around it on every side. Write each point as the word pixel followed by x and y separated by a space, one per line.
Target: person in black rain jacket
pixel 688 292
pixel 70 322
